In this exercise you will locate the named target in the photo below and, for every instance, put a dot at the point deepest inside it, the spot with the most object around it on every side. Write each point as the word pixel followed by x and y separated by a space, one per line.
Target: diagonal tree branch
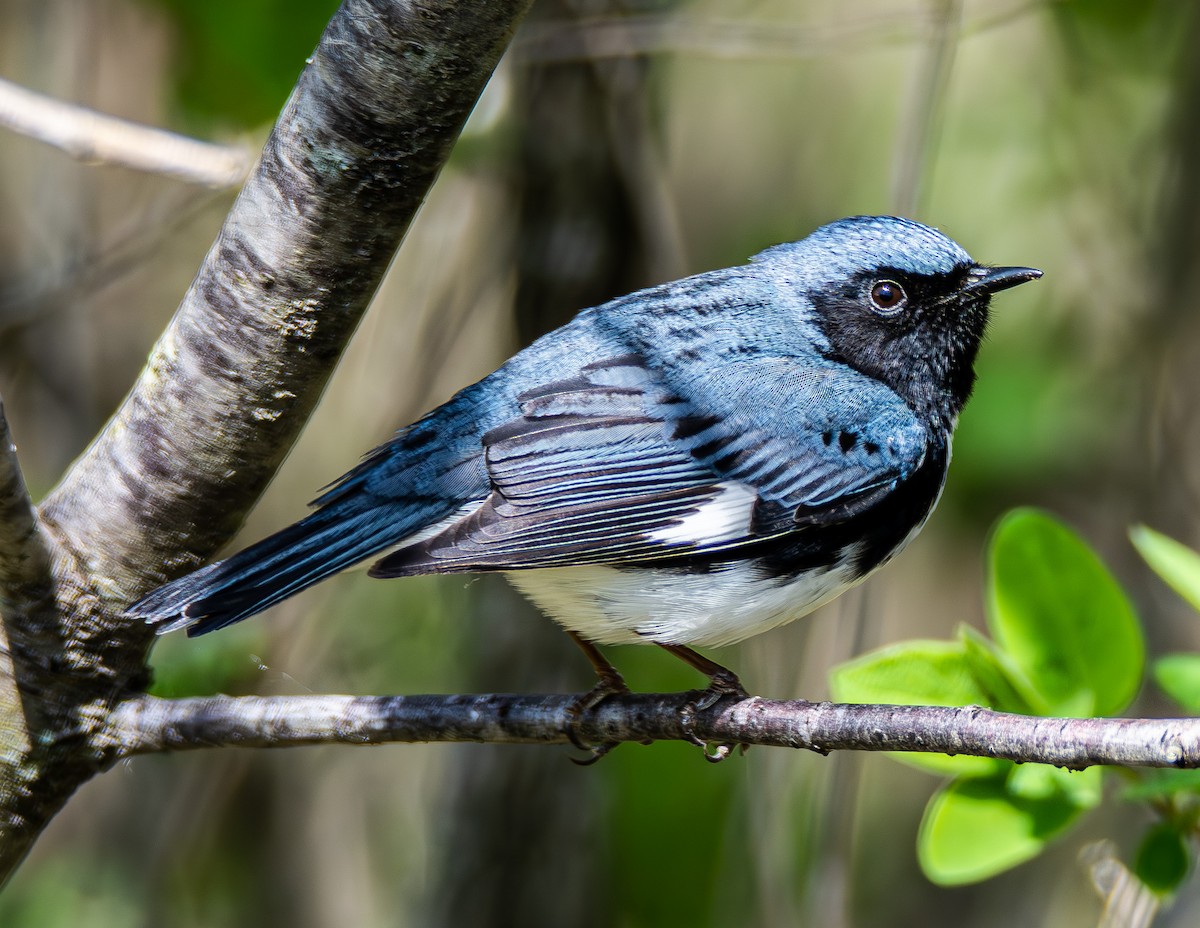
pixel 147 724
pixel 231 382
pixel 234 377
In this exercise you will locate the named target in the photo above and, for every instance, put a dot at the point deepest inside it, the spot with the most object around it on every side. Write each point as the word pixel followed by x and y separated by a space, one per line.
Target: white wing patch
pixel 725 517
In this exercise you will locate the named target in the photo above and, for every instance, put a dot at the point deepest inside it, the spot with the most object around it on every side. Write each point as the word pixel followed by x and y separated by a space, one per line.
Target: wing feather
pixel 617 466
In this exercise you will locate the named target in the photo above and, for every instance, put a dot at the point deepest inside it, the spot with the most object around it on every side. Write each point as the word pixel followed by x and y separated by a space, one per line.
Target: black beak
pixel 995 279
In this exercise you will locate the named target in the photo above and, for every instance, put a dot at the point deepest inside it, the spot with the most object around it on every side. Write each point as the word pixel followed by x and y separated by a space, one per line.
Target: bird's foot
pixel 608 685
pixel 723 683
pixel 609 682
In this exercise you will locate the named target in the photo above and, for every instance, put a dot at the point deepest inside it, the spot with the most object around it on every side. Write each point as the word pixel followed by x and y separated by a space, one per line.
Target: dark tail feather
pixel 270 571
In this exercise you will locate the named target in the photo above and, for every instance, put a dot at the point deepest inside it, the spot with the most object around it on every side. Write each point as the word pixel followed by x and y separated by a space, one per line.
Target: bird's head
pixel 900 302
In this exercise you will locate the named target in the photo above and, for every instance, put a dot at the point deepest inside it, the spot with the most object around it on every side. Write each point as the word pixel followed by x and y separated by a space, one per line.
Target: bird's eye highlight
pixel 888 296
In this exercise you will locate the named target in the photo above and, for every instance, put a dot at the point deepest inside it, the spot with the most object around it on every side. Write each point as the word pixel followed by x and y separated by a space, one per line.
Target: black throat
pixel 927 358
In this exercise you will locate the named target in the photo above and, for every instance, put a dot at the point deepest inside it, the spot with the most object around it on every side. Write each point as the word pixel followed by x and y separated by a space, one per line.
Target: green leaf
pixel 1054 608
pixel 1082 788
pixel 1162 784
pixel 988 667
pixel 918 673
pixel 1162 860
pixel 974 829
pixel 1178 675
pixel 1176 563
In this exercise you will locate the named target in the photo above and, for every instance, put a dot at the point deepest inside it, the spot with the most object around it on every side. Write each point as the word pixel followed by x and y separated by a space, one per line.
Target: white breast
pixel 719 607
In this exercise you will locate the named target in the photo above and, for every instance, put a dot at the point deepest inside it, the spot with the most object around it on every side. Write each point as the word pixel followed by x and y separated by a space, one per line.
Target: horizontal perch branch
pixel 148 724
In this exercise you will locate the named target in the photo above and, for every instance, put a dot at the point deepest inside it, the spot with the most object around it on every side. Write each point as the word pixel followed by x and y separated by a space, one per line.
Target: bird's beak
pixel 995 279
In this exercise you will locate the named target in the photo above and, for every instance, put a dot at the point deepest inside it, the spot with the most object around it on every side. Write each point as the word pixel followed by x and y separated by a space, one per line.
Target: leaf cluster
pixel 1063 640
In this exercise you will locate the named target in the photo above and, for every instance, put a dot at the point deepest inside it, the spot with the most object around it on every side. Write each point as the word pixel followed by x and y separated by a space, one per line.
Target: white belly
pixel 720 607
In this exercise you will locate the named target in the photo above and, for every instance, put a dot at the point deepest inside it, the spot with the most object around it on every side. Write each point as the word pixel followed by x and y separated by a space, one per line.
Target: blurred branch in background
pixel 90 136
pixel 1172 418
pixel 595 37
pixel 919 128
pixel 591 219
pixel 1128 903
pixel 34 299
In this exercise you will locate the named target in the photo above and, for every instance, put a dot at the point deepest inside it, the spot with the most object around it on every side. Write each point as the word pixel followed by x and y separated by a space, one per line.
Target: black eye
pixel 888 296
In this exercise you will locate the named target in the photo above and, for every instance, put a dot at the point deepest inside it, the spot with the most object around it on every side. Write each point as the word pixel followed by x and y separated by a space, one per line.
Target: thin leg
pixel 722 682
pixel 610 679
pixel 609 683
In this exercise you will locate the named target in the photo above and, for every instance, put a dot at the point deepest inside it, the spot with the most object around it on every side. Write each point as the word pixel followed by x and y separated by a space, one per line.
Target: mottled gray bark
pixel 230 383
pixel 148 724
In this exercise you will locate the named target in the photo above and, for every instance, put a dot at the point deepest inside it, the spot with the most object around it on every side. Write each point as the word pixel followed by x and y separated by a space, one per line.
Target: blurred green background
pixel 619 145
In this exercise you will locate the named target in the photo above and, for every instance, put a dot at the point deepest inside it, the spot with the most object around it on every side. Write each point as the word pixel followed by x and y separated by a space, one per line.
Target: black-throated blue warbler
pixel 691 464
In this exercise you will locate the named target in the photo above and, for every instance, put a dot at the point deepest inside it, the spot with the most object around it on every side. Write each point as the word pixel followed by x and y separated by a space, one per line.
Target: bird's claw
pixel 724 683
pixel 719 752
pixel 594 751
pixel 608 684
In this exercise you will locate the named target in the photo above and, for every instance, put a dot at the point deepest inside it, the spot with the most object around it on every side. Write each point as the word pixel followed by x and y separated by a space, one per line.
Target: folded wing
pixel 619 466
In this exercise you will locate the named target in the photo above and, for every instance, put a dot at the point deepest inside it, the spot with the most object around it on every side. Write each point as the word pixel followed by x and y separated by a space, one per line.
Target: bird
pixel 685 466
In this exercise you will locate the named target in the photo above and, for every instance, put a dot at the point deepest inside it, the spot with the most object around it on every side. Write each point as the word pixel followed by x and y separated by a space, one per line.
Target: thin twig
pixel 148 724
pixel 91 136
